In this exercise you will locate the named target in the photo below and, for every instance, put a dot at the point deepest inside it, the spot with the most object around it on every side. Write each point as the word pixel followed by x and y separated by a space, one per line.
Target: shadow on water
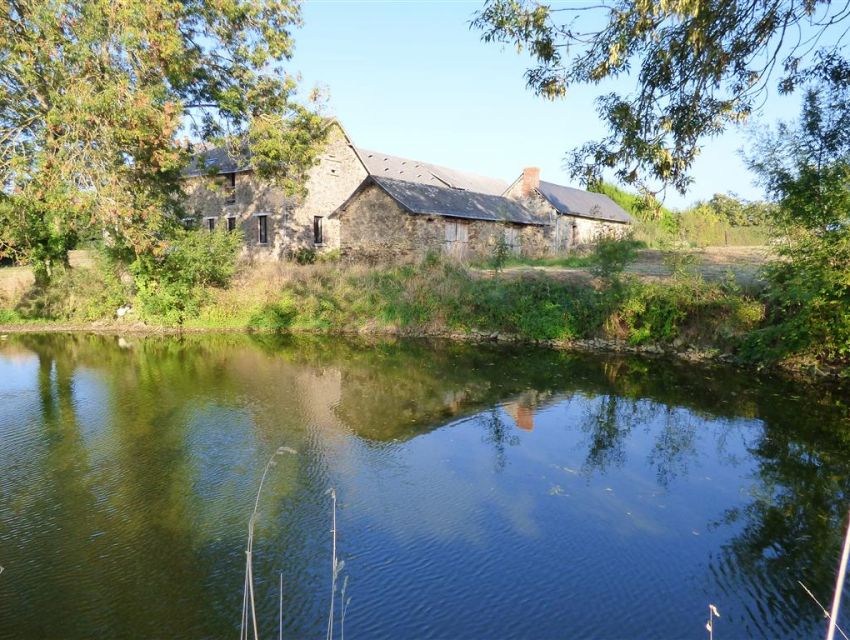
pixel 128 466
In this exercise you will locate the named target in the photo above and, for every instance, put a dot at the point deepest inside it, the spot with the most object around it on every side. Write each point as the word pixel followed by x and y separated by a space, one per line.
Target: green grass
pixel 572 261
pixel 439 298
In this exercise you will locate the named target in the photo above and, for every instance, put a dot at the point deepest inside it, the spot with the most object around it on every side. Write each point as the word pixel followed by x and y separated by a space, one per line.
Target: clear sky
pixel 410 78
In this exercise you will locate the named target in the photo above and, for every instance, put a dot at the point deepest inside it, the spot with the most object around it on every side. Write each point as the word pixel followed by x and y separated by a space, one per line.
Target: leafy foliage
pixel 500 252
pixel 807 169
pixel 171 287
pixel 808 301
pixel 77 295
pixel 611 257
pixel 93 96
pixel 698 66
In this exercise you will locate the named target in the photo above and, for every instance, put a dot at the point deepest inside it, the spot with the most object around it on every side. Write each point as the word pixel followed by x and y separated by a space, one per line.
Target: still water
pixel 483 492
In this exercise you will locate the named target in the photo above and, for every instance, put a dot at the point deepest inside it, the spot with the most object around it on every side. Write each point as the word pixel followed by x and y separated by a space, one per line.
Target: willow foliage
pixel 96 94
pixel 698 66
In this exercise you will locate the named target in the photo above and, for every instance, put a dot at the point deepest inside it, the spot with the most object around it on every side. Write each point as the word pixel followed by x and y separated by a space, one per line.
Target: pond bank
pixel 676 350
pixel 686 316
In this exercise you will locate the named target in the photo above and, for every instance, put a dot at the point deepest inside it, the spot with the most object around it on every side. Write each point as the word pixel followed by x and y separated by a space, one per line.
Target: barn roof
pixel 586 204
pixel 383 165
pixel 429 199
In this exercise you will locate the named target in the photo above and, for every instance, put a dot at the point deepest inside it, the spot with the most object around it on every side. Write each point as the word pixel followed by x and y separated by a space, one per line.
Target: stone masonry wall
pixel 290 219
pixel 374 227
pixel 566 232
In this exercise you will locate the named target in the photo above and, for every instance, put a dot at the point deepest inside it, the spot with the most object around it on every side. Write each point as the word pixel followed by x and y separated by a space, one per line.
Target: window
pixel 211 224
pixel 231 224
pixel 318 231
pixel 263 229
pixel 227 183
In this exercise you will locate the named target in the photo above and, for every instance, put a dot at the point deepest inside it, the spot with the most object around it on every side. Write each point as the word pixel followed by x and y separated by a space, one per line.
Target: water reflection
pixel 635 490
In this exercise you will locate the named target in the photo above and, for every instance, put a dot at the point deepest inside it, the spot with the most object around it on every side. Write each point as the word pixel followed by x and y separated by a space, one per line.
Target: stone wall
pixel 289 219
pixel 374 227
pixel 587 231
pixel 567 232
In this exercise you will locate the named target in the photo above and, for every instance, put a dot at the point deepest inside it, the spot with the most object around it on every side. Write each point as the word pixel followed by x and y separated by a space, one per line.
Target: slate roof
pixel 428 199
pixel 383 165
pixel 218 158
pixel 583 203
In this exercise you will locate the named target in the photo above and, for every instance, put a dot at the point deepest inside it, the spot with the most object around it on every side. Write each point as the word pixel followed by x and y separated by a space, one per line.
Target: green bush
pixel 82 294
pixel 9 316
pixel 611 256
pixel 276 316
pixel 171 287
pixel 808 301
pixel 304 255
pixel 332 255
pixel 499 252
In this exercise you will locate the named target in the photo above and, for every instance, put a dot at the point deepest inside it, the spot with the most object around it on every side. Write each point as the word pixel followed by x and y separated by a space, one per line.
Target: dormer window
pixel 227 183
pixel 230 188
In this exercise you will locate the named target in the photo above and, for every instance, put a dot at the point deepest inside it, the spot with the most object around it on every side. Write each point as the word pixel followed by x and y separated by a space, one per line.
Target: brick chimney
pixel 530 180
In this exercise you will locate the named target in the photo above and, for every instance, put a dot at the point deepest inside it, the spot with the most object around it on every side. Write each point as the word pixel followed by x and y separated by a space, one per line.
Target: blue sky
pixel 412 79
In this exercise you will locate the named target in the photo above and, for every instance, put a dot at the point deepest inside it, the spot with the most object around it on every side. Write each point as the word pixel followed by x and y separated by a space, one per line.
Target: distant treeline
pixel 724 219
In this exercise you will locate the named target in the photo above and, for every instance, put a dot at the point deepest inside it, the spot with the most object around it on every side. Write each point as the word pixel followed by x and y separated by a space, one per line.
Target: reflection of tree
pixel 674 447
pixel 793 527
pixel 389 391
pixel 607 427
pixel 499 434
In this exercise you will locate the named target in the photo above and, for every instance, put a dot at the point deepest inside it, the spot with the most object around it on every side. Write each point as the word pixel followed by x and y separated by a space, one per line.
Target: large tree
pixel 805 167
pixel 695 67
pixel 96 94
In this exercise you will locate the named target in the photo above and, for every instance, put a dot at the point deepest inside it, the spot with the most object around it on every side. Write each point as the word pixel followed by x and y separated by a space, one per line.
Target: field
pixel 712 263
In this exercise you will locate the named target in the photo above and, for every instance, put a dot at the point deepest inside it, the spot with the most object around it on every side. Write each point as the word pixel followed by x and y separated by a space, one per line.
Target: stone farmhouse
pixel 373 206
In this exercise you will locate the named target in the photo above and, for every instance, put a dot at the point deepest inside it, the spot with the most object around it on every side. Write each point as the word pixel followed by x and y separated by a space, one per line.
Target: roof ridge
pixel 441 173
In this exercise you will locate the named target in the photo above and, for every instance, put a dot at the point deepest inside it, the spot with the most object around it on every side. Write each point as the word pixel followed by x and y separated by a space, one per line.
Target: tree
pixel 805 166
pixel 728 208
pixel 94 95
pixel 698 66
pixel 806 169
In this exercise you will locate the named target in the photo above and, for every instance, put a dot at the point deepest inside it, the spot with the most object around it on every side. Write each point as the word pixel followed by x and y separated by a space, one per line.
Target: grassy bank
pixel 436 298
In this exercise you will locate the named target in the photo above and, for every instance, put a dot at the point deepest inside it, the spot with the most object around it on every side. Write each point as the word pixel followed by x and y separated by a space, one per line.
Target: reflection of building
pixel 523 408
pixel 523 415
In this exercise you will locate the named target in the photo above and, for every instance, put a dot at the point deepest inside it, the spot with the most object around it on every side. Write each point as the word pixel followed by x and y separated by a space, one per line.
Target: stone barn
pixel 386 218
pixel 578 217
pixel 371 205
pixel 225 193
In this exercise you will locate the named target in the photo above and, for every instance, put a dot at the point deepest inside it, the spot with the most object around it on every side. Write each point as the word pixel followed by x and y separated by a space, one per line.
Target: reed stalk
pixel 249 610
pixel 839 584
pixel 822 608
pixel 329 635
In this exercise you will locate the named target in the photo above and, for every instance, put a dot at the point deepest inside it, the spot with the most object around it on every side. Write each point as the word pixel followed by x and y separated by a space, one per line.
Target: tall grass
pixel 443 297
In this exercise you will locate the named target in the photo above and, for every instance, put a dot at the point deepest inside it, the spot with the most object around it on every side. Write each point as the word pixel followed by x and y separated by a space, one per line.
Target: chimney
pixel 530 180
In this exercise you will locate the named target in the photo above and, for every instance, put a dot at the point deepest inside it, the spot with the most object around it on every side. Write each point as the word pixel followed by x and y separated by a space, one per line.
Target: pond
pixel 483 492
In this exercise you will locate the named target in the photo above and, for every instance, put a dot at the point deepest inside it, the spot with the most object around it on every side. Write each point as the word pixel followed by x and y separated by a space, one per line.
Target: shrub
pixel 499 252
pixel 276 317
pixel 611 256
pixel 171 287
pixel 332 255
pixel 304 255
pixel 80 294
pixel 808 301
